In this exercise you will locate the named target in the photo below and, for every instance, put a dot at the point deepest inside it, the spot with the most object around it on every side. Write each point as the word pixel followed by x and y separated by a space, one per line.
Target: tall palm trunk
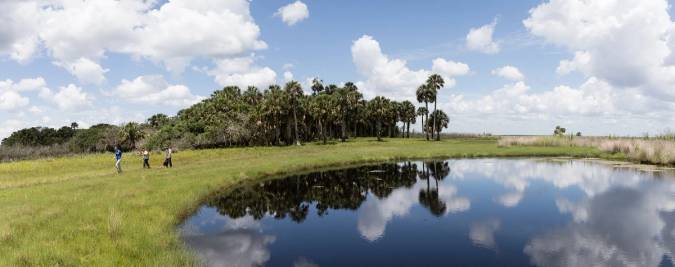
pixel 344 130
pixel 422 123
pixel 426 115
pixel 323 133
pixel 295 124
pixel 438 137
pixel 407 129
pixel 378 130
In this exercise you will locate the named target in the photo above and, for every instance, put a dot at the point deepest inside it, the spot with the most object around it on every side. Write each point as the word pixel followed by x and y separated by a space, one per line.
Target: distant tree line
pixel 254 117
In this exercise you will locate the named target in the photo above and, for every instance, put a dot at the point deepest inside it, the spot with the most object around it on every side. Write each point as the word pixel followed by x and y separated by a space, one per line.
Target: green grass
pixel 77 211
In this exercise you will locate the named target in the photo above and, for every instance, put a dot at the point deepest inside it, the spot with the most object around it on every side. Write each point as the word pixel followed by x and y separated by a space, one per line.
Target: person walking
pixel 146 159
pixel 118 159
pixel 167 159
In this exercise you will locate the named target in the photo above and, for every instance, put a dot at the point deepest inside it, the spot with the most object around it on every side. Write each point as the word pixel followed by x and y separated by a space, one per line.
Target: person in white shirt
pixel 167 159
pixel 146 159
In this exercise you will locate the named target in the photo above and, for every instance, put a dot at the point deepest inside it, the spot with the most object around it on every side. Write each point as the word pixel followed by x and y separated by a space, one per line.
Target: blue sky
pixel 518 68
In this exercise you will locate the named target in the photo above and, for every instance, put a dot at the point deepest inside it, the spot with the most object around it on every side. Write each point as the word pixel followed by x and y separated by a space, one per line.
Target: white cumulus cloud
pixel 509 72
pixel 480 39
pixel 77 35
pixel 391 77
pixel 293 13
pixel 10 101
pixel 68 98
pixel 154 90
pixel 627 43
pixel 242 72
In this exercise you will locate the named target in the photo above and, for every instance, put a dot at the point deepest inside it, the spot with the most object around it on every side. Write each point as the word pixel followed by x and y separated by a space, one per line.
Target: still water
pixel 485 212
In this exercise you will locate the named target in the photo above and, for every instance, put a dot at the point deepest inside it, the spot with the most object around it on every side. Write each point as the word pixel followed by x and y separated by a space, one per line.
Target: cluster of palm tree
pixel 437 120
pixel 286 115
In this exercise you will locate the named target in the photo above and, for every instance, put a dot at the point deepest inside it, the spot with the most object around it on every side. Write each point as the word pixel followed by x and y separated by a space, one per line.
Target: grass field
pixel 77 211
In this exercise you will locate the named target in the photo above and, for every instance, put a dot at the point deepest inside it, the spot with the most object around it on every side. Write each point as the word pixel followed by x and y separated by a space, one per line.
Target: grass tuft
pixel 114 224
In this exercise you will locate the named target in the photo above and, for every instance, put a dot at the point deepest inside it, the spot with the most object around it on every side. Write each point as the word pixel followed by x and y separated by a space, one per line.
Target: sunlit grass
pixel 78 211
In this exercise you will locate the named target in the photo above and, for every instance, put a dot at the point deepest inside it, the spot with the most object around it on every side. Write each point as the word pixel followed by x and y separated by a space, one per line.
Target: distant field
pixel 77 211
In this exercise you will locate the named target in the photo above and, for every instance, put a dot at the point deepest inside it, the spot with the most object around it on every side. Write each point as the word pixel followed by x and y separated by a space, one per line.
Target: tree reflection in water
pixel 347 189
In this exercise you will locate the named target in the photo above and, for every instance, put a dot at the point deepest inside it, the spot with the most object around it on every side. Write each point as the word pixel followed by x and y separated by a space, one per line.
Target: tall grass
pixel 14 153
pixel 659 150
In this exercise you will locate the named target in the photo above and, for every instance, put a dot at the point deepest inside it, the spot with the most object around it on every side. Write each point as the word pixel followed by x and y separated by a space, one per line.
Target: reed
pixel 658 150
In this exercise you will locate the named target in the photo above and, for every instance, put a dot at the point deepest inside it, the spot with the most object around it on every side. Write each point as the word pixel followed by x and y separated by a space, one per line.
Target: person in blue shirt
pixel 118 159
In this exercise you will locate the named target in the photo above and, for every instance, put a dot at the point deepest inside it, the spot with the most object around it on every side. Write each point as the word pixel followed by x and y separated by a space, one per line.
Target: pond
pixel 468 212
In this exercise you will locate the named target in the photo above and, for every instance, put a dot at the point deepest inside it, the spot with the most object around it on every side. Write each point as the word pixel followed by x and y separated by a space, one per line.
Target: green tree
pixel 435 82
pixel 378 109
pixel 130 133
pixel 347 99
pixel 252 96
pixel 425 95
pixel 441 120
pixel 274 109
pixel 294 92
pixel 156 121
pixel 408 115
pixel 322 107
pixel 317 86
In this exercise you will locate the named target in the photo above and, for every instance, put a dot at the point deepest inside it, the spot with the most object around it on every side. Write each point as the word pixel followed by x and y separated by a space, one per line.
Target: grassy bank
pixel 77 211
pixel 658 151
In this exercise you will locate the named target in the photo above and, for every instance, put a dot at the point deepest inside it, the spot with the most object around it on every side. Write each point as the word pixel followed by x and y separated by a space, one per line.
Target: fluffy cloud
pixel 390 76
pixel 509 72
pixel 10 92
pixel 77 34
pixel 68 98
pixel 86 70
pixel 17 34
pixel 10 101
pixel 594 97
pixel 154 90
pixel 480 39
pixel 293 13
pixel 242 72
pixel 629 43
pixel 23 85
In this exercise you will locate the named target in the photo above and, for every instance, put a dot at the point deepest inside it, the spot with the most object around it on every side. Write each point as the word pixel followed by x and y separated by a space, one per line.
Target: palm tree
pixel 322 107
pixel 435 82
pixel 442 119
pixel 158 120
pixel 409 115
pixel 130 133
pixel 294 91
pixel 274 107
pixel 378 109
pixel 317 86
pixel 252 96
pixel 425 95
